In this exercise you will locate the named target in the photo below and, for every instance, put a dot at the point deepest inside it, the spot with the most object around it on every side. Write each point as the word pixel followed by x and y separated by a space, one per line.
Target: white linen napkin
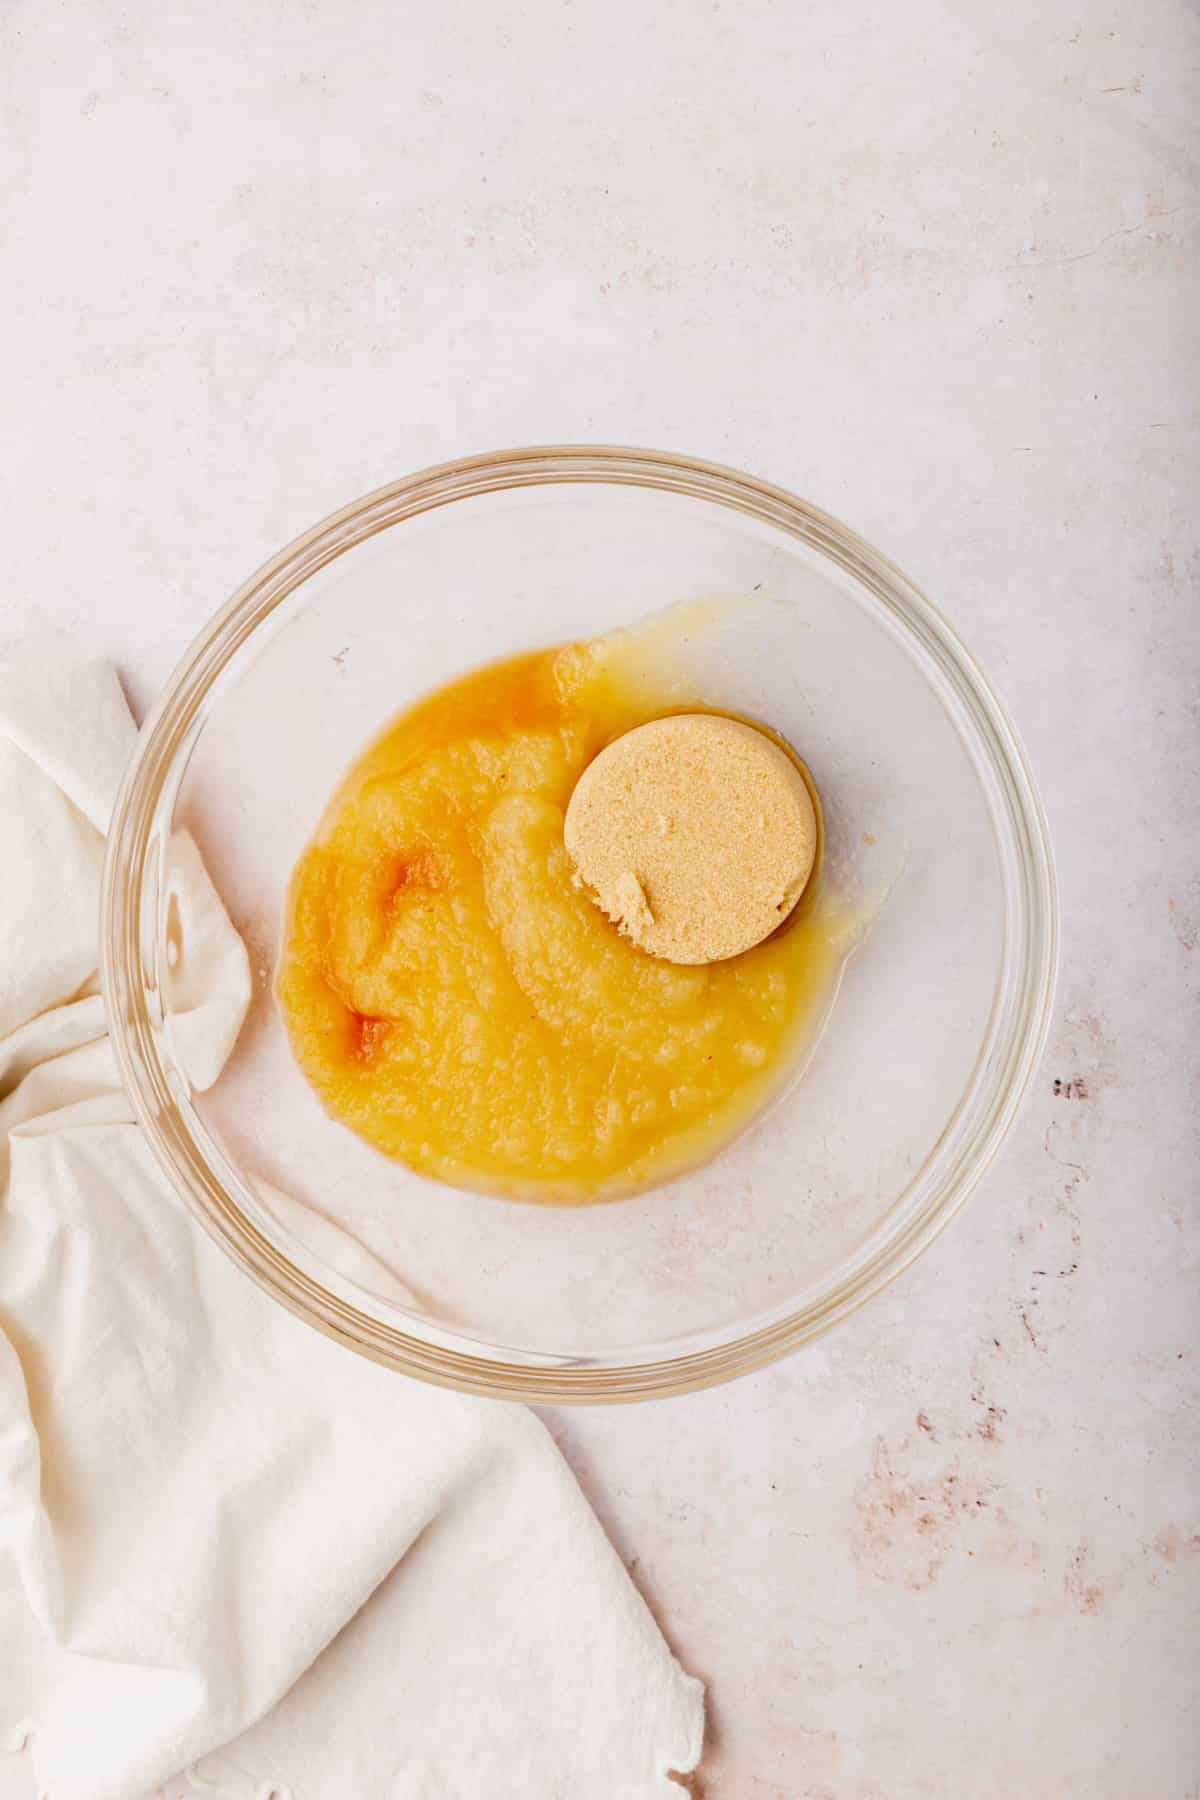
pixel 198 1492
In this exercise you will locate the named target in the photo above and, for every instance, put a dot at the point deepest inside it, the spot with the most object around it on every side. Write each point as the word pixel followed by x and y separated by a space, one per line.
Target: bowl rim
pixel 272 1257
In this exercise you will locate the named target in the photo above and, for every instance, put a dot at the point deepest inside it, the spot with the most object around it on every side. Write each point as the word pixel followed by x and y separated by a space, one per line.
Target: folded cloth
pixel 198 1492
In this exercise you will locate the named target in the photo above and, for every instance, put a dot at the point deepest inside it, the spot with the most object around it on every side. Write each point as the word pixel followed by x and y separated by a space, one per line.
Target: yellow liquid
pixel 457 1000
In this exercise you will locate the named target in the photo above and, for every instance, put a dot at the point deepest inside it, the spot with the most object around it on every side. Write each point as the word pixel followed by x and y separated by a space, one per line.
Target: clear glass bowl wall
pixel 934 827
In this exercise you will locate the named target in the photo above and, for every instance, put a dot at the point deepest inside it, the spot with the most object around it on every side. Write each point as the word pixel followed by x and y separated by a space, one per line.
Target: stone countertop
pixel 936 270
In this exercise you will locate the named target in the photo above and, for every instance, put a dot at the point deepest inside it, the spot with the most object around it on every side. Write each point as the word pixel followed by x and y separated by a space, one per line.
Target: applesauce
pixel 457 999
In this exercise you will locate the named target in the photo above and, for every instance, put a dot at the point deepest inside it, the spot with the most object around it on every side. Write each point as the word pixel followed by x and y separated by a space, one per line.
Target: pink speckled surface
pixel 935 269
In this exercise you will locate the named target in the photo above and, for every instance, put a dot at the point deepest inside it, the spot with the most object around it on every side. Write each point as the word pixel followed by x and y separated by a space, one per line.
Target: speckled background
pixel 934 267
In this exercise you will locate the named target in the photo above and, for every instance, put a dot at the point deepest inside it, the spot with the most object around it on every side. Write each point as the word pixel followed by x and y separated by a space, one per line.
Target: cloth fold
pixel 224 1540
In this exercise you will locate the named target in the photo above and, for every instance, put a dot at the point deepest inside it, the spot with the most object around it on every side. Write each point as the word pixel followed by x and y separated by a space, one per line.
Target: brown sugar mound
pixel 696 834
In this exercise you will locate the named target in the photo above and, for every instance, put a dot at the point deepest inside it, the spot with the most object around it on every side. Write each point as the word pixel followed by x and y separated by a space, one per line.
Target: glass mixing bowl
pixel 933 828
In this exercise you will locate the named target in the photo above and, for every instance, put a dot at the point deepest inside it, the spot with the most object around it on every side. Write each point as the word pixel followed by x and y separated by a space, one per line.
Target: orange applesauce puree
pixel 454 995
